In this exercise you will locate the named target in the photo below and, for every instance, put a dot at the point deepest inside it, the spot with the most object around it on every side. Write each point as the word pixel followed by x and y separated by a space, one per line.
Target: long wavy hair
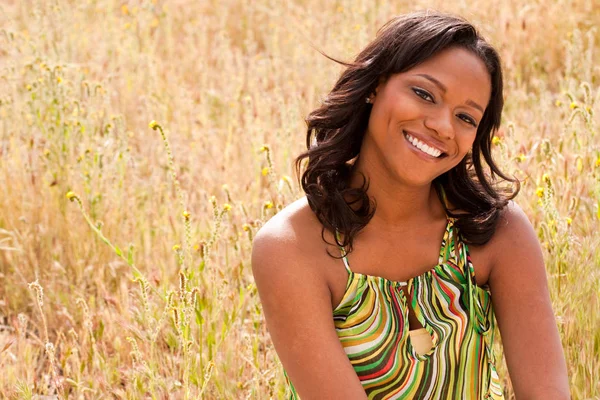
pixel 335 131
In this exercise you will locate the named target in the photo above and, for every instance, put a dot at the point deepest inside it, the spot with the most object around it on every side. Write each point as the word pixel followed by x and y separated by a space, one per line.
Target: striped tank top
pixel 372 324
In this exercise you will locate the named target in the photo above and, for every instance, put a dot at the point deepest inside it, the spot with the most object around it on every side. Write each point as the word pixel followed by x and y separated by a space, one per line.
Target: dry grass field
pixel 144 142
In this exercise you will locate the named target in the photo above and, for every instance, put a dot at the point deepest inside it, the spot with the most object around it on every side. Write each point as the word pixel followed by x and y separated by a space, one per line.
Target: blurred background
pixel 143 144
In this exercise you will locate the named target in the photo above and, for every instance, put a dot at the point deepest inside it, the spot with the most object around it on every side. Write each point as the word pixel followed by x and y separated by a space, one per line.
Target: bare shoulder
pixel 290 227
pixel 281 250
pixel 513 229
pixel 512 217
pixel 514 235
pixel 287 236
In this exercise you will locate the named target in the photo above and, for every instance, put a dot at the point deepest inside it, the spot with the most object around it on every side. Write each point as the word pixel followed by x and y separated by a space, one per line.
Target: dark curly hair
pixel 336 129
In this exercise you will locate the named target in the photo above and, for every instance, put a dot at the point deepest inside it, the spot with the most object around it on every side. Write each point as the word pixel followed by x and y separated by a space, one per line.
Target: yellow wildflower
pixel 153 125
pixel 71 196
pixel 265 147
pixel 496 140
pixel 186 214
pixel 539 192
pixel 246 227
pixel 176 247
pixel 546 178
pixel 558 103
pixel 29 88
pixel 521 157
pixel 265 171
pixel 268 204
pixel 46 152
pixel 579 164
pixel 59 79
pixel 226 207
pixel 573 106
pixel 597 162
pixel 569 221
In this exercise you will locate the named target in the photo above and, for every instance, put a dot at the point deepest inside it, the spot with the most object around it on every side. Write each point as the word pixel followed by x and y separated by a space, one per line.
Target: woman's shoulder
pixel 511 217
pixel 513 230
pixel 293 226
pixel 287 258
pixel 513 223
pixel 294 232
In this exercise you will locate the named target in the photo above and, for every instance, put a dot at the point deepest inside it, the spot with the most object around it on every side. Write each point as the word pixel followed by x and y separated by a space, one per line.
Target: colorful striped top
pixel 372 324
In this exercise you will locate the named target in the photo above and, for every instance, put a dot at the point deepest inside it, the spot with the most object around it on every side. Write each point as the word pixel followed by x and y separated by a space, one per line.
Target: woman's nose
pixel 442 123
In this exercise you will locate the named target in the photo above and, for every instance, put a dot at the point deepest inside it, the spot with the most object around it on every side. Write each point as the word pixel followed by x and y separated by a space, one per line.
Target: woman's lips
pixel 420 152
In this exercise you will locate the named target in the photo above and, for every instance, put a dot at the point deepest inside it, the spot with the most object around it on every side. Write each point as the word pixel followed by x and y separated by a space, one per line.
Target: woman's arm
pixel 297 305
pixel 521 301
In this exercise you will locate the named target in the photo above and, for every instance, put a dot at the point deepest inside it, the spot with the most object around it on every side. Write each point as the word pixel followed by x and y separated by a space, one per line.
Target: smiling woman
pixel 397 178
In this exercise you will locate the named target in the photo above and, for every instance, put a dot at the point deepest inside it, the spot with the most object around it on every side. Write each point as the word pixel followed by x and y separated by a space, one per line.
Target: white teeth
pixel 423 147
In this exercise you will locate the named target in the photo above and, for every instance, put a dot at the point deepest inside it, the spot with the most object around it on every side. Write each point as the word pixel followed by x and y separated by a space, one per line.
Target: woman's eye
pixel 468 120
pixel 423 94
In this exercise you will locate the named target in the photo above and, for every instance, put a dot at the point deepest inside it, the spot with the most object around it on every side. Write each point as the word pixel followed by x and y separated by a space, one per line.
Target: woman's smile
pixel 425 150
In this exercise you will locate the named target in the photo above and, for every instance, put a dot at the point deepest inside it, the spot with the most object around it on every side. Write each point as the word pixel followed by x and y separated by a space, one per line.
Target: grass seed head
pixel 39 291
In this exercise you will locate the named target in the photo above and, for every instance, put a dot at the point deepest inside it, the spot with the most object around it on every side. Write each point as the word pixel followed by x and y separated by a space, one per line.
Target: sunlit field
pixel 144 143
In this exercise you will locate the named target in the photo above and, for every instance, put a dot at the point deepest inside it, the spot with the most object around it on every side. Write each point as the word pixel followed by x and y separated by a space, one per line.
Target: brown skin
pixel 295 276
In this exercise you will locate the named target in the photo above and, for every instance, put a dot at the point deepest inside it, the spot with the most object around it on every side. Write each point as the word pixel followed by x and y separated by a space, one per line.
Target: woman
pixel 398 153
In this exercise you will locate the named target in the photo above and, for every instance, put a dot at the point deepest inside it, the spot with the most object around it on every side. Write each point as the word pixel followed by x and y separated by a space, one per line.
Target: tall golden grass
pixel 125 243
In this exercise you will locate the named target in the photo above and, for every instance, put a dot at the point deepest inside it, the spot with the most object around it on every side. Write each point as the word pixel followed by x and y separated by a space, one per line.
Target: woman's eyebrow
pixel 443 88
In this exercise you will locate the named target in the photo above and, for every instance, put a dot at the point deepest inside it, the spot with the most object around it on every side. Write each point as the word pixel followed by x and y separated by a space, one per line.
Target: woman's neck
pixel 400 205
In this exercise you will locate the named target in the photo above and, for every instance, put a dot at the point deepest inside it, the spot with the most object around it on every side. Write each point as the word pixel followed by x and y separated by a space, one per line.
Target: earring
pixel 368 100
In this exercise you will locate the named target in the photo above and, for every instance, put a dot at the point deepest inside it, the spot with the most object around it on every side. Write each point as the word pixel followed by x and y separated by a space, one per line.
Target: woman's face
pixel 424 120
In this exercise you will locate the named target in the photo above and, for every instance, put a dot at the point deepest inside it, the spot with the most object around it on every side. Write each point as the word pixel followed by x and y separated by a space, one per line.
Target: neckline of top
pixel 443 245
